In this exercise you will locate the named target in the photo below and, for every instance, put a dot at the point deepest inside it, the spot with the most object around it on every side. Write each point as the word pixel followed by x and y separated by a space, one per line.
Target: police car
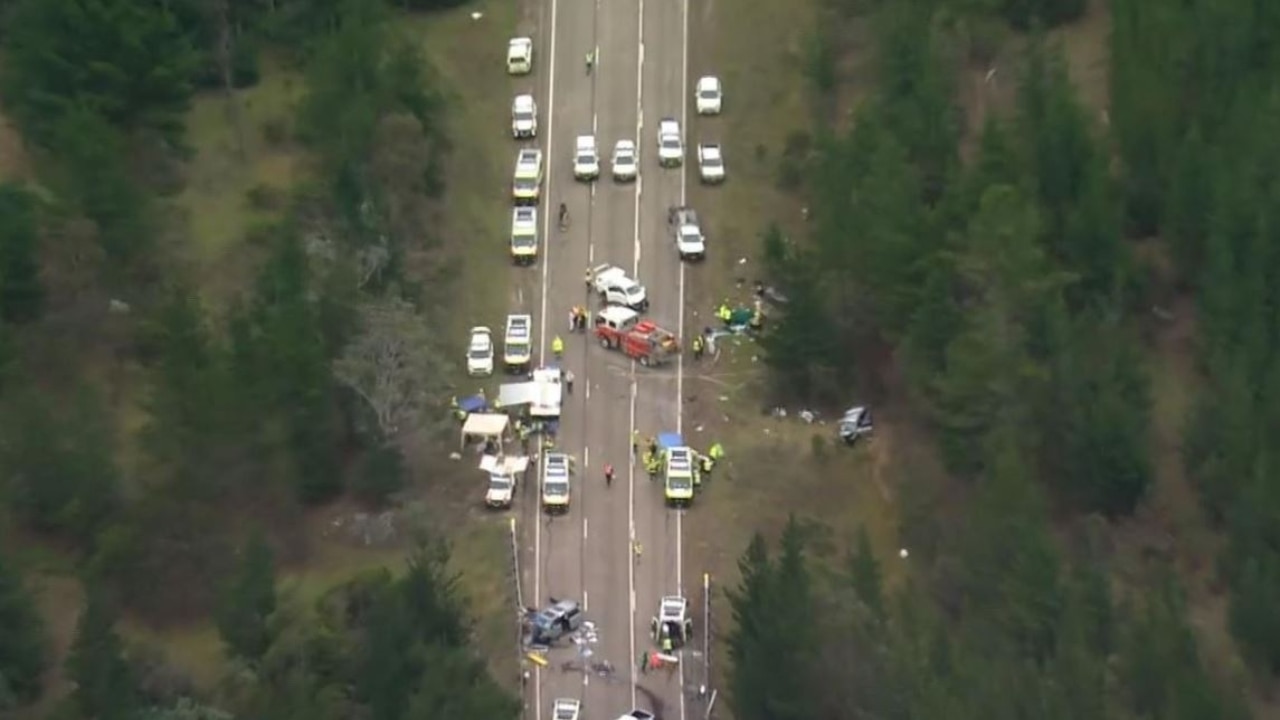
pixel 555 483
pixel 678 476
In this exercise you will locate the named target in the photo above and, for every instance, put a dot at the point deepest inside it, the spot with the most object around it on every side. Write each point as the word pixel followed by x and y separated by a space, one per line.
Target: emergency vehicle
pixel 620 328
pixel 672 621
pixel 678 476
pixel 517 343
pixel 526 182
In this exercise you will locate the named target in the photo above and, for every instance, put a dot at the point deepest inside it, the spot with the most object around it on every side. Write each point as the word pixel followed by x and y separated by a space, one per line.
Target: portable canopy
pixel 666 441
pixel 547 393
pixel 487 426
pixel 517 394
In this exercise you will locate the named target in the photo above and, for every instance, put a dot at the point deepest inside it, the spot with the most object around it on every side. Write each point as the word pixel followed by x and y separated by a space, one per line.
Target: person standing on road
pixel 588 277
pixel 557 347
pixel 608 475
pixel 568 381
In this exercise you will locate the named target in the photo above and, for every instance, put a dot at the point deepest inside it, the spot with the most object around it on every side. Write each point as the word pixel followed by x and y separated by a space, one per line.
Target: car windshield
pixel 524 115
pixel 709 92
pixel 517 348
pixel 681 483
pixel 624 156
pixel 633 290
pixel 557 487
pixel 479 352
pixel 523 240
pixel 711 160
pixel 670 141
pixel 586 157
pixel 689 232
pixel 499 482
pixel 525 183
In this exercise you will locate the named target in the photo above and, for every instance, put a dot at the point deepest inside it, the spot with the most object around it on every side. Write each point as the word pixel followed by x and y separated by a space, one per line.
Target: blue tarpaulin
pixel 669 440
pixel 473 404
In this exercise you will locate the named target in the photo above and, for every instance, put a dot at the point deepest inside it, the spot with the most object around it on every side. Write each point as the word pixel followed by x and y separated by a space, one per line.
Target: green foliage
pixel 91 171
pixel 125 60
pixel 21 292
pixel 62 477
pixel 382 474
pixel 104 684
pixel 248 601
pixel 1023 14
pixel 23 654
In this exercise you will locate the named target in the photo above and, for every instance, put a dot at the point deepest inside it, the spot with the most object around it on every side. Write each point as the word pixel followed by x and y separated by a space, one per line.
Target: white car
pixel 670 146
pixel 526 184
pixel 480 352
pixel 710 163
pixel 586 158
pixel 566 709
pixel 520 56
pixel 524 234
pixel 555 483
pixel 616 288
pixel 708 96
pixel 625 163
pixel 524 117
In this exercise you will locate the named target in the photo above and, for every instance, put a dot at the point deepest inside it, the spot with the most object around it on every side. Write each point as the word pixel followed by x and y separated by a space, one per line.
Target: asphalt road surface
pixel 590 553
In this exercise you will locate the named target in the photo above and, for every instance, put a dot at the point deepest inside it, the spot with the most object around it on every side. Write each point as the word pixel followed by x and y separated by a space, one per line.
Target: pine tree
pixel 249 601
pixel 23 654
pixel 104 682
pixel 21 292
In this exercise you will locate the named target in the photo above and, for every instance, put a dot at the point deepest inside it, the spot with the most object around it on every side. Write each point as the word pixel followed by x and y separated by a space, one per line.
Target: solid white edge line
pixel 542 332
pixel 631 546
pixel 635 272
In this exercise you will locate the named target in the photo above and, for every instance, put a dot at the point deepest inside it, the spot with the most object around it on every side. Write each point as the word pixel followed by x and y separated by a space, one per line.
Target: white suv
pixel 670 146
pixel 710 163
pixel 520 56
pixel 625 164
pixel 524 117
pixel 688 234
pixel 555 483
pixel 708 96
pixel 586 158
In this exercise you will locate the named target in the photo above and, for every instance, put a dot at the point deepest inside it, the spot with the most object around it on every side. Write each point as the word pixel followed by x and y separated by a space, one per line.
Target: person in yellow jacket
pixel 557 346
pixel 716 452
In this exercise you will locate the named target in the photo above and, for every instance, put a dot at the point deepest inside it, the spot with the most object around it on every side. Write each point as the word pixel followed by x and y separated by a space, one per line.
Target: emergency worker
pixel 557 346
pixel 716 452
pixel 697 347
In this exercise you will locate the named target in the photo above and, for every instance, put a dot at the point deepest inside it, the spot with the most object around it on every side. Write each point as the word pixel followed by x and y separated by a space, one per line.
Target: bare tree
pixel 391 364
pixel 226 37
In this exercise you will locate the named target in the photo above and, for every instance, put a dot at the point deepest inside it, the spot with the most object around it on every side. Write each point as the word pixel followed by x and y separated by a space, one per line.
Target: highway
pixel 591 552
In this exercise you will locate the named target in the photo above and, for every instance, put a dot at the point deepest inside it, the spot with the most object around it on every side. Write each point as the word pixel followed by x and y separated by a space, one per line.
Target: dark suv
pixel 553 622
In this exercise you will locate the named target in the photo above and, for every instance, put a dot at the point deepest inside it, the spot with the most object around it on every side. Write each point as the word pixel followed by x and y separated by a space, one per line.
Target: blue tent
pixel 473 404
pixel 669 440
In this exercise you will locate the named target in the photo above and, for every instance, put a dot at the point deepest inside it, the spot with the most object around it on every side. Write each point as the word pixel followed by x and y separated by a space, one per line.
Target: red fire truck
pixel 620 328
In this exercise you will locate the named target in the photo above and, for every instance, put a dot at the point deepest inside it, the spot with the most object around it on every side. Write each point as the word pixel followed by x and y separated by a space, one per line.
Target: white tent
pixel 485 426
pixel 503 465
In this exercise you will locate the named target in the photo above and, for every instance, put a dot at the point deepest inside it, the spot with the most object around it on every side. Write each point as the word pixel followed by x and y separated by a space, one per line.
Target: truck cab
pixel 612 323
pixel 678 476
pixel 517 343
pixel 615 287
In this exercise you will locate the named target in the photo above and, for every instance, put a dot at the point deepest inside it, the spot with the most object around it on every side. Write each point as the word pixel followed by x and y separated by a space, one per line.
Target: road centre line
pixel 684 182
pixel 632 555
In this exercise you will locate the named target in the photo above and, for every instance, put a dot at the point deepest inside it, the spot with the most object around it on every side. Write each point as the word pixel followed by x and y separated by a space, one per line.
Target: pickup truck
pixel 614 287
